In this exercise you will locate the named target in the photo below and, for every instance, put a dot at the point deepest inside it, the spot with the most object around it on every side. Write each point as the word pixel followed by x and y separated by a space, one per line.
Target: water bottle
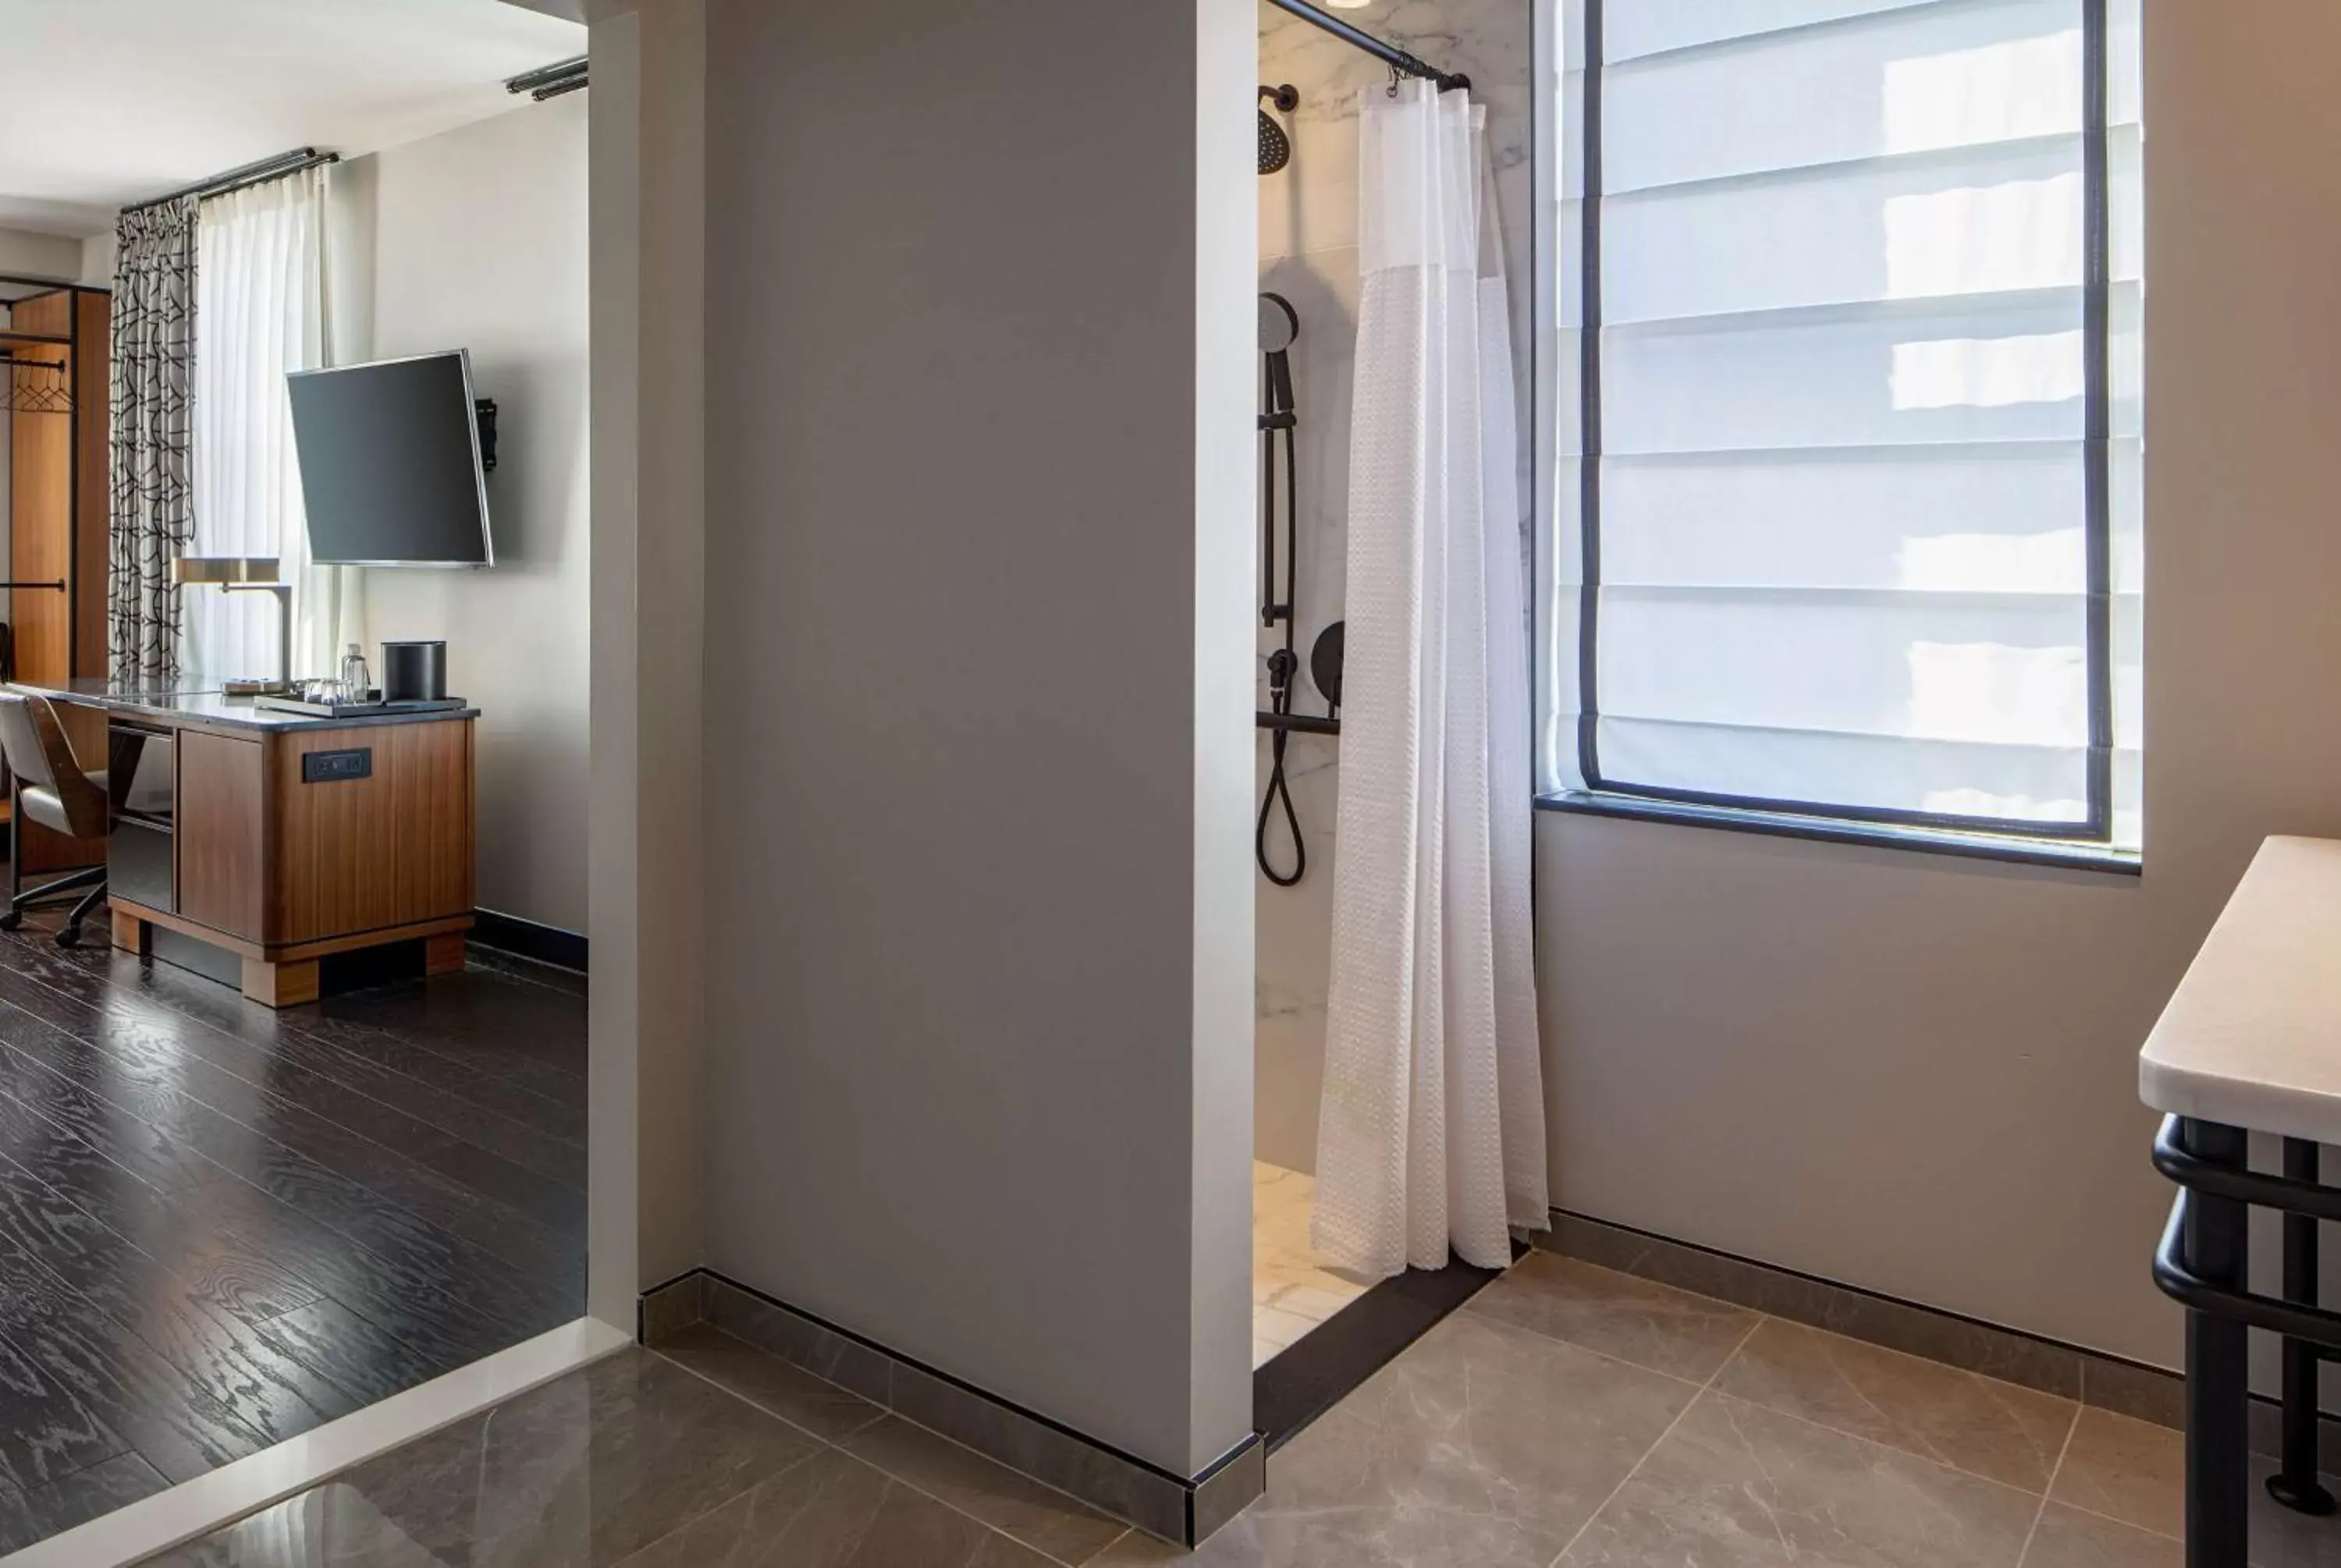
pixel 357 682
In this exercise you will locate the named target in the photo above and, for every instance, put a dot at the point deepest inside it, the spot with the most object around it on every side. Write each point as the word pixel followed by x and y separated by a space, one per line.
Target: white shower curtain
pixel 1432 1132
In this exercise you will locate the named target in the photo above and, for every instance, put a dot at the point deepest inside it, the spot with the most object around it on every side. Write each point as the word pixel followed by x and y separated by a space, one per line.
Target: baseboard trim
pixel 2150 1394
pixel 666 1310
pixel 529 939
pixel 1184 1509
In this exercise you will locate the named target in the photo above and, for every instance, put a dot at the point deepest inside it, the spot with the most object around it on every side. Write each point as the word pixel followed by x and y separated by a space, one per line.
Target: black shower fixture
pixel 1275 147
pixel 1280 420
pixel 1325 655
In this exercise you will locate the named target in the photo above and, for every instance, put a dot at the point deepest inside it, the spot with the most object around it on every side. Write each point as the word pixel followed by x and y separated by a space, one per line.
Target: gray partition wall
pixel 976 693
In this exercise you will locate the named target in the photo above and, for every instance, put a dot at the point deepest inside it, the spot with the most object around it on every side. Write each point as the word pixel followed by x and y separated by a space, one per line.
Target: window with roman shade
pixel 1843 504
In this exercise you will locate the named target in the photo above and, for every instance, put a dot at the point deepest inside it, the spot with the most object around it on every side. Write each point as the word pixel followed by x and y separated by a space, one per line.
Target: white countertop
pixel 2253 1035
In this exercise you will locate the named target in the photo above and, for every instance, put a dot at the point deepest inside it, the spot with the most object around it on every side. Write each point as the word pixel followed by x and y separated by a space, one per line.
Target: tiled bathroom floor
pixel 1294 1287
pixel 1567 1417
pixel 1571 1417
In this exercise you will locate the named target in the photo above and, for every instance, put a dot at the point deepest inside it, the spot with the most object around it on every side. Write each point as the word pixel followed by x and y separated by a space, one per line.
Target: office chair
pixel 51 789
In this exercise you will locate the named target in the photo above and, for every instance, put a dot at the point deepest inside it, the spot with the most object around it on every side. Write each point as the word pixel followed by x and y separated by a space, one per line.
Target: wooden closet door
pixel 41 506
pixel 93 362
pixel 57 532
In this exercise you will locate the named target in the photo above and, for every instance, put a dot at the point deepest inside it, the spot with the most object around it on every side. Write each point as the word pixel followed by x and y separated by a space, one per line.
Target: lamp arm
pixel 283 592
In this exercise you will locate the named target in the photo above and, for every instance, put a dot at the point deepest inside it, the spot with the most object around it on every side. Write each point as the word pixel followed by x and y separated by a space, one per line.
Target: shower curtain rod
pixel 266 169
pixel 1390 54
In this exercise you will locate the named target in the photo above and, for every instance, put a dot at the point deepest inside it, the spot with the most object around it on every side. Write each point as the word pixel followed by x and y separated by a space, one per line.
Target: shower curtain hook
pixel 1396 75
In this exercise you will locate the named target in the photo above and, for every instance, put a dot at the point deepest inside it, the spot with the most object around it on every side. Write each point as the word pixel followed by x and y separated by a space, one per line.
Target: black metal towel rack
pixel 2200 1265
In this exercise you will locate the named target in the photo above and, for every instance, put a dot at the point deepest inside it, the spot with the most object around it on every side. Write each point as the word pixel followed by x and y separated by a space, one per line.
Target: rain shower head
pixel 1275 147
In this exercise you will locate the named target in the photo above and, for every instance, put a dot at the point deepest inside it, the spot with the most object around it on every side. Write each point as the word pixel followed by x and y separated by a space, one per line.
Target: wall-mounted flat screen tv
pixel 390 462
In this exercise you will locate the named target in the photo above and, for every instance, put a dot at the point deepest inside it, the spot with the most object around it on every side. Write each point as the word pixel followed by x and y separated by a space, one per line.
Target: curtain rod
pixel 550 81
pixel 1390 54
pixel 236 179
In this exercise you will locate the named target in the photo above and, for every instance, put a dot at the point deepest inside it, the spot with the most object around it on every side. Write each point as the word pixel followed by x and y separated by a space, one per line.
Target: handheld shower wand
pixel 1279 324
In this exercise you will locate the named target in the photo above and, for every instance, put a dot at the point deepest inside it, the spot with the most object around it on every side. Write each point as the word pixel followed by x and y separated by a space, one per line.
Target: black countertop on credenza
pixel 188 705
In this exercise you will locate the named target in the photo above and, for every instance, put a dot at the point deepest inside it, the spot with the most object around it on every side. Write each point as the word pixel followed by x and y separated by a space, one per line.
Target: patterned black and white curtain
pixel 152 501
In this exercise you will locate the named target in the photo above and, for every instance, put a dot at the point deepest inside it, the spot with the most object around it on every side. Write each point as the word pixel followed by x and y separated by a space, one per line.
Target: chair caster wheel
pixel 11 919
pixel 70 937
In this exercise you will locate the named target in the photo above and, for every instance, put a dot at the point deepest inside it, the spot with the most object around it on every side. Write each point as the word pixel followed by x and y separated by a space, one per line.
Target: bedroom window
pixel 1842 504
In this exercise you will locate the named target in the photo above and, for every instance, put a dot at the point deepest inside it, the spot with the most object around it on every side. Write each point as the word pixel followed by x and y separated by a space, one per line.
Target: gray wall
pixel 97 260
pixel 40 255
pixel 1918 1073
pixel 476 238
pixel 979 388
pixel 647 121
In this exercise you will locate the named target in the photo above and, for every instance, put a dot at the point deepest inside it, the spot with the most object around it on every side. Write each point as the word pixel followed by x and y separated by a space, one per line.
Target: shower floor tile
pixel 1294 1287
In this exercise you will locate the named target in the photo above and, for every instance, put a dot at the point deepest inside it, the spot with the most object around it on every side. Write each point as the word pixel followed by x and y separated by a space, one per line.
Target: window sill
pixel 1925 841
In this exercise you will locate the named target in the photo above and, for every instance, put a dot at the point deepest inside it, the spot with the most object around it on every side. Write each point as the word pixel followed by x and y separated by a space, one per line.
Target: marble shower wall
pixel 1309 240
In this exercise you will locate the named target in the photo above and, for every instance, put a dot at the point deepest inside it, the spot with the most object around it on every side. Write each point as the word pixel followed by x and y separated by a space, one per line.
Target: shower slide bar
pixel 1390 54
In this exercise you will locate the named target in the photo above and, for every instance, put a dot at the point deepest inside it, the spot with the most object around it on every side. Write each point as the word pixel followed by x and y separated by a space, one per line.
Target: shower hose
pixel 1278 419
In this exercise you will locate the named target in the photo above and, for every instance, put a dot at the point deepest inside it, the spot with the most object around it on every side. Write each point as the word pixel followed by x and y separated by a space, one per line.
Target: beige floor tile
pixel 2280 1537
pixel 1735 1486
pixel 2130 1470
pixel 767 1382
pixel 834 1509
pixel 2068 1538
pixel 1294 1287
pixel 1649 1324
pixel 1273 1323
pixel 2283 1539
pixel 1040 1517
pixel 1483 1444
pixel 1975 1424
pixel 582 1471
pixel 1311 1302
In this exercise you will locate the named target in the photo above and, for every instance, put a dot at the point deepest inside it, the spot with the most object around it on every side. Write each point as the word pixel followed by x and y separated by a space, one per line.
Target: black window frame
pixel 2095 828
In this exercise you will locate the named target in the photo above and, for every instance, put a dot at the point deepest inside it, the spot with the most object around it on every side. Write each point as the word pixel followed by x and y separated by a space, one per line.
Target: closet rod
pixel 237 178
pixel 1390 54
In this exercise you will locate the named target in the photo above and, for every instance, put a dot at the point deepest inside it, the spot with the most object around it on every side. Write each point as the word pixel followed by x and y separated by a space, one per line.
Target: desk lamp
pixel 252 574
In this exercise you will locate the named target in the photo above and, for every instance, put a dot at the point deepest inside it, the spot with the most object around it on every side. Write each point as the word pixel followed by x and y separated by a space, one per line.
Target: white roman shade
pixel 1863 529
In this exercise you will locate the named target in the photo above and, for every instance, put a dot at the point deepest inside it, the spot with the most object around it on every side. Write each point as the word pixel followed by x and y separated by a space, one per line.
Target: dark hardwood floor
pixel 221 1225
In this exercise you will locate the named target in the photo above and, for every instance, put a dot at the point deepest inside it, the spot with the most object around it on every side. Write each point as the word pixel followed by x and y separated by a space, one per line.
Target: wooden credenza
pixel 289 840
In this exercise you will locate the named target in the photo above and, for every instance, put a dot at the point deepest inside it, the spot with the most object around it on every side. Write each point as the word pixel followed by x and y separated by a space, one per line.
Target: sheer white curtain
pixel 260 313
pixel 1431 1132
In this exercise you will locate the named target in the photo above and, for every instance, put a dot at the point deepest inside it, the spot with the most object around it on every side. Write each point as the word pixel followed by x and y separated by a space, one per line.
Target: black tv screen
pixel 390 462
